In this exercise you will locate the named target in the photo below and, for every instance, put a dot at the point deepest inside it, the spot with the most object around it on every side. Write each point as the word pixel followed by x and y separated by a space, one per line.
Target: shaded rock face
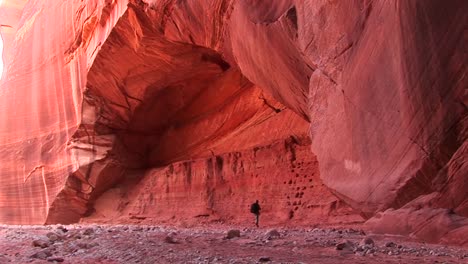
pixel 399 121
pixel 283 176
pixel 378 86
pixel 431 225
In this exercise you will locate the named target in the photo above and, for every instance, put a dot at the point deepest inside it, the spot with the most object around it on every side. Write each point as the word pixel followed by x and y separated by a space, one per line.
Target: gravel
pixel 208 244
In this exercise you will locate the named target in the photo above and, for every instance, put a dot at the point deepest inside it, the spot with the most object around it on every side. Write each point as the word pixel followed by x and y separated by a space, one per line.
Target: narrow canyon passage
pixel 185 112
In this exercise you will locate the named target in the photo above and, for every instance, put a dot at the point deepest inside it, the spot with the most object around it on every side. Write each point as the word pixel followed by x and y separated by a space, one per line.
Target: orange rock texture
pixel 194 108
pixel 283 176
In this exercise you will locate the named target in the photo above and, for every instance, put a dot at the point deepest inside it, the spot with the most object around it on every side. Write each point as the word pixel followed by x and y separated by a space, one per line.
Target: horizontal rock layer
pixel 283 176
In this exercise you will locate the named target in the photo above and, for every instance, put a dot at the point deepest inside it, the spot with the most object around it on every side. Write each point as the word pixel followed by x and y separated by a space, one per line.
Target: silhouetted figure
pixel 255 209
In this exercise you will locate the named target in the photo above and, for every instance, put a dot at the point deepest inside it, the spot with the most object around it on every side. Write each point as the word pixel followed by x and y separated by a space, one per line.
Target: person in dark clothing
pixel 255 209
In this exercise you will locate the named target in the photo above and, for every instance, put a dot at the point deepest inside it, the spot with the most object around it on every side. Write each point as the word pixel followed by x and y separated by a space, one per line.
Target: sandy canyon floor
pixel 210 244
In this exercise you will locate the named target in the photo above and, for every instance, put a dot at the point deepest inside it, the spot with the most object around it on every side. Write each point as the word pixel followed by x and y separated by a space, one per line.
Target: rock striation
pixel 283 176
pixel 171 95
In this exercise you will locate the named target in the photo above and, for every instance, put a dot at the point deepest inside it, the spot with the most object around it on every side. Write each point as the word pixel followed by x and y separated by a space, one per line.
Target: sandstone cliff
pixel 169 98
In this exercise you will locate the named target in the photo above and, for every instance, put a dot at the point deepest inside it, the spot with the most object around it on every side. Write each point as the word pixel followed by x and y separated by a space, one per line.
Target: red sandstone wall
pixel 10 15
pixel 382 84
pixel 40 99
pixel 283 176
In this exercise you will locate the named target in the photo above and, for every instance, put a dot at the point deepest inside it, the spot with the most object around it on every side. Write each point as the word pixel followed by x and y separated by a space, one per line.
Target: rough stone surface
pixel 283 176
pixel 170 239
pixel 344 245
pixel 432 225
pixel 41 243
pixel 159 97
pixel 207 244
pixel 367 241
pixel 233 233
pixel 272 234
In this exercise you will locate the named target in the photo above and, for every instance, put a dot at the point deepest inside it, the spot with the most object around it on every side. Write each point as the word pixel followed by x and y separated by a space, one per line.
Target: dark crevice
pixel 216 59
pixel 277 110
pixel 292 16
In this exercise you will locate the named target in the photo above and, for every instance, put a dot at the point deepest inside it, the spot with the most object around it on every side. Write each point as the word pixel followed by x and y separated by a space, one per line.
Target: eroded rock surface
pixel 208 244
pixel 101 93
pixel 283 176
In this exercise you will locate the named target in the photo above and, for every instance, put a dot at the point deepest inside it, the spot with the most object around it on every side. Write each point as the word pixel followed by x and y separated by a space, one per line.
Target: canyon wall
pixel 41 96
pixel 283 176
pixel 155 91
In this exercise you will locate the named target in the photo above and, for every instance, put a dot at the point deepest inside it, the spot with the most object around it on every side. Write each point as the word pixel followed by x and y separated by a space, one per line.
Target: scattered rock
pixel 359 249
pixel 170 239
pixel 62 229
pixel 251 240
pixel 390 244
pixel 345 245
pixel 43 254
pixel 367 241
pixel 41 243
pixel 88 232
pixel 87 245
pixel 272 234
pixel 4 259
pixel 53 237
pixel 233 233
pixel 56 259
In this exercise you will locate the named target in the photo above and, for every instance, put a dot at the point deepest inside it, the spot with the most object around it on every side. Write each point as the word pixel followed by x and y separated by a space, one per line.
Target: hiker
pixel 255 209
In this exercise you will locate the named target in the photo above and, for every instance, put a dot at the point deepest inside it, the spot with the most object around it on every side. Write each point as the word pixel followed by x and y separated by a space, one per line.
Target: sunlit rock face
pixel 41 97
pixel 96 90
pixel 10 13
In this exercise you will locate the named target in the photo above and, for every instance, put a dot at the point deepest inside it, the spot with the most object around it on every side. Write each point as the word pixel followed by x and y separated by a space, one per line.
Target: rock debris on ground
pixel 212 244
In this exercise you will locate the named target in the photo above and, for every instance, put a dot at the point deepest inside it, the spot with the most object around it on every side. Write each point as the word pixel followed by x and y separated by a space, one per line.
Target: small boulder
pixel 138 229
pixel 390 244
pixel 53 237
pixel 41 243
pixel 233 233
pixel 345 245
pixel 86 245
pixel 43 254
pixel 367 241
pixel 170 239
pixel 88 231
pixel 264 259
pixel 272 234
pixel 359 248
pixel 75 236
pixel 62 229
pixel 55 259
